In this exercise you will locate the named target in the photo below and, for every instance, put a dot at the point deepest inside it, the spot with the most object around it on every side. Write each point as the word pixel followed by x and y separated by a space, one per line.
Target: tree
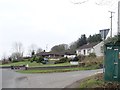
pixel 16 56
pixel 73 46
pixel 39 50
pixel 94 38
pixel 4 57
pixel 32 49
pixel 18 51
pixel 59 48
pixel 18 47
pixel 81 41
pixel 113 39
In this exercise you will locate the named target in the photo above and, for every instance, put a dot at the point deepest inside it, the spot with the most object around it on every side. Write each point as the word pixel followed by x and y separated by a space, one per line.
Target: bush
pixel 15 61
pixel 39 59
pixel 90 61
pixel 5 62
pixel 75 59
pixel 92 55
pixel 81 57
pixel 62 60
pixel 33 59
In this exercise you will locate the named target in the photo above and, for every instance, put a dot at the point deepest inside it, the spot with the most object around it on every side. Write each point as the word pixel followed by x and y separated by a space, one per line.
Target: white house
pixel 96 48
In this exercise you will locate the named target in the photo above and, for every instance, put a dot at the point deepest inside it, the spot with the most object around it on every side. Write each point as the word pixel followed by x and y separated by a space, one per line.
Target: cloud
pixel 50 22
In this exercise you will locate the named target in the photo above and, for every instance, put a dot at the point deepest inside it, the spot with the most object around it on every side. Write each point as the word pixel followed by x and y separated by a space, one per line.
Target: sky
pixel 45 23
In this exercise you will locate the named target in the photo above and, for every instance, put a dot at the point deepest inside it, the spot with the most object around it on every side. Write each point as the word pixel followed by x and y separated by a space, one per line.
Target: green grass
pixel 97 81
pixel 34 64
pixel 92 82
pixel 22 63
pixel 62 64
pixel 56 70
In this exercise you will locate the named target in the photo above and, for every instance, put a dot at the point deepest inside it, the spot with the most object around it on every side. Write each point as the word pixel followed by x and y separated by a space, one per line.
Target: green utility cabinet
pixel 112 62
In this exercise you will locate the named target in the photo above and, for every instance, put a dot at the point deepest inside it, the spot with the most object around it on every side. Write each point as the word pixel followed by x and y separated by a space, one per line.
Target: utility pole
pixel 119 18
pixel 111 22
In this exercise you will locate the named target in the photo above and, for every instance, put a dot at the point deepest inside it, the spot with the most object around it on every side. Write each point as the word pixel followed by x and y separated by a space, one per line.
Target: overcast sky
pixel 51 22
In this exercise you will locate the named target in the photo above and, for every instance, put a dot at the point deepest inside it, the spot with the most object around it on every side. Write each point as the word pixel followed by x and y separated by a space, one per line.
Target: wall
pixel 87 51
pixel 69 56
pixel 98 49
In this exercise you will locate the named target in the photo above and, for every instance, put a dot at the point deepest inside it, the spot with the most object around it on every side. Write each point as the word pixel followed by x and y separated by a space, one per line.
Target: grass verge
pixel 57 70
pixel 97 81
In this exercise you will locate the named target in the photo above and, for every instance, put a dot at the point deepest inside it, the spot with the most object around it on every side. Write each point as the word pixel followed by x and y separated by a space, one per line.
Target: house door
pixel 84 52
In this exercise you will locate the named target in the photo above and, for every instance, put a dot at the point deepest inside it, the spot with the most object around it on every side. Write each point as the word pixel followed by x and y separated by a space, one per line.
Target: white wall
pixel 78 52
pixel 97 49
pixel 69 56
pixel 87 51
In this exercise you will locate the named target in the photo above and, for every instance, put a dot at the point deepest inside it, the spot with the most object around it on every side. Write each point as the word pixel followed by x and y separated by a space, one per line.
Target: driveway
pixel 12 79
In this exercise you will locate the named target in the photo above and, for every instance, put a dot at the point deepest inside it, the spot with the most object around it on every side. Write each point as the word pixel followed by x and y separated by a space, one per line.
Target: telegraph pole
pixel 111 22
pixel 119 18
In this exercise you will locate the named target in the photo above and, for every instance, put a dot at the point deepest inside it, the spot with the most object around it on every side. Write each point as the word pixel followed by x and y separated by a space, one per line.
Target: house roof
pixel 55 53
pixel 89 45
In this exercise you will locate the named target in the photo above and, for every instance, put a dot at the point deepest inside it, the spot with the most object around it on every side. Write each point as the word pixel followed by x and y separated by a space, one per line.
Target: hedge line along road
pixel 12 79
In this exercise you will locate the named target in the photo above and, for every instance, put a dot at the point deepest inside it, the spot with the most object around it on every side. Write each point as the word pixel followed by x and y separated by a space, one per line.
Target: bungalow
pixel 91 48
pixel 54 55
pixel 50 54
pixel 70 55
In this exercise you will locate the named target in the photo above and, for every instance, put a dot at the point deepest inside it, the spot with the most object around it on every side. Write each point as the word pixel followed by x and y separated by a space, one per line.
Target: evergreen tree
pixel 94 38
pixel 81 41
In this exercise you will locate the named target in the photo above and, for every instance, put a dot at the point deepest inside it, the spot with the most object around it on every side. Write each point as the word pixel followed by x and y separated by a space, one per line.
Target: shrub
pixel 92 55
pixel 75 59
pixel 5 62
pixel 81 57
pixel 62 60
pixel 90 61
pixel 32 59
pixel 39 59
pixel 15 61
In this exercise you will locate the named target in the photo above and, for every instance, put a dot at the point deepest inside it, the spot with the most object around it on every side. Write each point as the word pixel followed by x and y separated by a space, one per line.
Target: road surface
pixel 12 79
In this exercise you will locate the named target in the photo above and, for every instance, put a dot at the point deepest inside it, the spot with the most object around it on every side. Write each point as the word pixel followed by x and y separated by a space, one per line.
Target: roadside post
pixel 26 67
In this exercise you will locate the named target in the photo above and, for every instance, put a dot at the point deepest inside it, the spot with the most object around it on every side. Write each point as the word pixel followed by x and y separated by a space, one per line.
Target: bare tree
pixel 32 48
pixel 18 51
pixel 39 50
pixel 4 57
pixel 18 47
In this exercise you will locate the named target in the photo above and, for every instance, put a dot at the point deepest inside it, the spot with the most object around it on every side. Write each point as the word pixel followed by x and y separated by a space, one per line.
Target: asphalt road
pixel 12 79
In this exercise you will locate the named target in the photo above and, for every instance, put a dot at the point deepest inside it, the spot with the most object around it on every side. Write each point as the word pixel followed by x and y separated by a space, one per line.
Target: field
pixel 89 63
pixel 33 64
